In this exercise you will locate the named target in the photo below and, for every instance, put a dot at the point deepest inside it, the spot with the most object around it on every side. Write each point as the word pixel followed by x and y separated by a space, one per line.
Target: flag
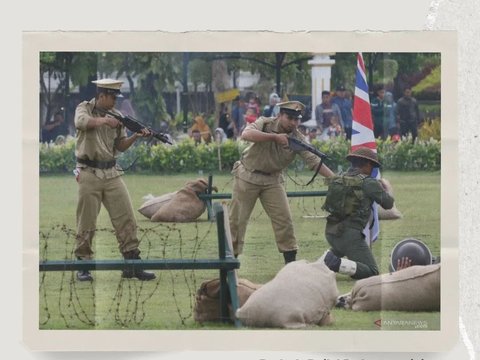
pixel 362 136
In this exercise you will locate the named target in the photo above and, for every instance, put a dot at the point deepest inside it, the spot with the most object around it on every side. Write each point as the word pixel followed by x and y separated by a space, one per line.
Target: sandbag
pixel 416 288
pixel 183 205
pixel 390 214
pixel 301 294
pixel 207 299
pixel 151 206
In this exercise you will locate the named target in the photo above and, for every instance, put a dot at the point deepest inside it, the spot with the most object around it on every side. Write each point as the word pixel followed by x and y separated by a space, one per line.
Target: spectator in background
pixel 200 125
pixel 271 110
pixel 220 136
pixel 391 110
pixel 312 135
pixel 324 111
pixel 344 103
pixel 225 122
pixel 54 127
pixel 196 136
pixel 408 114
pixel 238 116
pixel 334 130
pixel 254 104
pixel 379 112
pixel 250 116
pixel 302 129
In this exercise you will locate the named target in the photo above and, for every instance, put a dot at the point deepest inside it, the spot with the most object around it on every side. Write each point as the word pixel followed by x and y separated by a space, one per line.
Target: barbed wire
pixel 105 302
pixel 128 301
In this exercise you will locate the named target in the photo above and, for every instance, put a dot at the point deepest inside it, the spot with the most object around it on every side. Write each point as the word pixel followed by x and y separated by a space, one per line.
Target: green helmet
pixel 364 153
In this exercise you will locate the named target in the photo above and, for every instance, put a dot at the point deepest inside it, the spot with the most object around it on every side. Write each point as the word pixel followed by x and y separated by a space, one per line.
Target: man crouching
pixel 349 201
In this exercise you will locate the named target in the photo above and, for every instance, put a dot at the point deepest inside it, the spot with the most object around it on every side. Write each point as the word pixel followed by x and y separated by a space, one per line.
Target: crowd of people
pixel 390 119
pixel 333 116
pixel 234 117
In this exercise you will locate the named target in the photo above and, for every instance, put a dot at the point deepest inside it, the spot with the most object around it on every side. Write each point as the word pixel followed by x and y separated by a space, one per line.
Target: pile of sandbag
pixel 390 214
pixel 207 299
pixel 183 205
pixel 416 288
pixel 301 294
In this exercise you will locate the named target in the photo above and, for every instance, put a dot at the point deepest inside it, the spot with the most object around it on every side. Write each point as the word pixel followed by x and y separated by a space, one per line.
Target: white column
pixel 321 76
pixel 178 89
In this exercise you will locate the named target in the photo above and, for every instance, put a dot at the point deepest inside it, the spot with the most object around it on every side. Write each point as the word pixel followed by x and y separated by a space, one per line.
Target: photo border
pixel 444 42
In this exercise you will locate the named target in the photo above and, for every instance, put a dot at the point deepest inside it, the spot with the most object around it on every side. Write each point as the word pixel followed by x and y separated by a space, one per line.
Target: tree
pixel 65 67
pixel 155 72
pixel 394 70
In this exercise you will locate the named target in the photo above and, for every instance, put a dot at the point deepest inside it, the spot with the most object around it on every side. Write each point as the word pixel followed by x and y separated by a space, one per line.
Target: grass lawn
pixel 167 303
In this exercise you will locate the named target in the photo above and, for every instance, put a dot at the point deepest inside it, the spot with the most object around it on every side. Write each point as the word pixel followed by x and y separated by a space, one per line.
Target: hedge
pixel 187 157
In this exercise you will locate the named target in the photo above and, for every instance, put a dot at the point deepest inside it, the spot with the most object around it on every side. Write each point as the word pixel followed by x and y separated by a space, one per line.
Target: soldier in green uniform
pixel 258 175
pixel 349 201
pixel 99 140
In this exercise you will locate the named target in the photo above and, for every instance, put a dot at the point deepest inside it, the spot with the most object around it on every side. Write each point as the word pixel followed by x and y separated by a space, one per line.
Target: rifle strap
pixel 316 172
pixel 133 163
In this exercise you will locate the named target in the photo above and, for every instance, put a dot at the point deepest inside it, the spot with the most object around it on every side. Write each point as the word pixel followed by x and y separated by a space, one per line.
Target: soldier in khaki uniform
pixel 258 175
pixel 99 140
pixel 349 201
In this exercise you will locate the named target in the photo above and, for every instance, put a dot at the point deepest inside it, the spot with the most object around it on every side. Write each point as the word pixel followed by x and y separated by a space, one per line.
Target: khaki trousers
pixel 275 203
pixel 113 193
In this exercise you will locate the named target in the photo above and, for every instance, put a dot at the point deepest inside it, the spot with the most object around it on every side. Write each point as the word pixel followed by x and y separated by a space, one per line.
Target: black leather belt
pixel 98 164
pixel 261 172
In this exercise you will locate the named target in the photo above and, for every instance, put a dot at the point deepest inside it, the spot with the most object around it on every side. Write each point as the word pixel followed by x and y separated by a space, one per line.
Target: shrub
pixel 57 158
pixel 430 129
pixel 185 156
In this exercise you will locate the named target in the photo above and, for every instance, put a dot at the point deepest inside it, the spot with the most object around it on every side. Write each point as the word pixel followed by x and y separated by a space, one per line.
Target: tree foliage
pixel 394 70
pixel 150 74
pixel 154 72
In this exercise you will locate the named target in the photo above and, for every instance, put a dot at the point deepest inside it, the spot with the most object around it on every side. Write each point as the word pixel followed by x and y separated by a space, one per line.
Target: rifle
pixel 299 145
pixel 136 126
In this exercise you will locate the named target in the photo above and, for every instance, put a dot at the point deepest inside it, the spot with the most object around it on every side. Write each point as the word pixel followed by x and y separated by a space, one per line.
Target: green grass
pixel 167 303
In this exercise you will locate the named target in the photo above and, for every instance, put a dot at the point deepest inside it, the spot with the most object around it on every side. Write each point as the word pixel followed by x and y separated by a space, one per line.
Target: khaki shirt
pixel 98 144
pixel 269 157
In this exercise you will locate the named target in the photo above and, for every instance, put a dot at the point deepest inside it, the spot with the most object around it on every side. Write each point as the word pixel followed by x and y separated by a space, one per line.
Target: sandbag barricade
pixel 300 295
pixel 416 288
pixel 207 299
pixel 183 205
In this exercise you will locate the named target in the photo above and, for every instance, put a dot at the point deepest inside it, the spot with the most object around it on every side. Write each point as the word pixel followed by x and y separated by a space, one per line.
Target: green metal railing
pixel 208 196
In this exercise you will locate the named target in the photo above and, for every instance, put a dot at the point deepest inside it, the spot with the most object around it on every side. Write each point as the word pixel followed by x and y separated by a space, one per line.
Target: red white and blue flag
pixel 362 136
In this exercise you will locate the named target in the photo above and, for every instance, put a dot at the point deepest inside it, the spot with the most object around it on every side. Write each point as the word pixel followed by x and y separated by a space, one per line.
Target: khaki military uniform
pixel 258 175
pixel 97 186
pixel 346 236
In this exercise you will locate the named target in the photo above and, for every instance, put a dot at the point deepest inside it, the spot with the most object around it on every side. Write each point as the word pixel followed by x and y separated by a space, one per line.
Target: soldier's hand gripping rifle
pixel 299 145
pixel 136 126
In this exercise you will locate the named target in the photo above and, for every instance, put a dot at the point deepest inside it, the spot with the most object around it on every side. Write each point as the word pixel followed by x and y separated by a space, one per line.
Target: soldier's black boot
pixel 333 262
pixel 132 272
pixel 290 256
pixel 84 275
